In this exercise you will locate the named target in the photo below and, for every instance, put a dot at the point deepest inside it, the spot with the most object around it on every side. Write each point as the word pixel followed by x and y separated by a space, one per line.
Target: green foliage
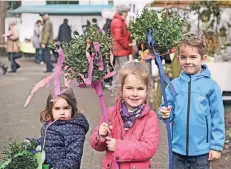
pixel 207 10
pixel 75 55
pixel 166 27
pixel 17 156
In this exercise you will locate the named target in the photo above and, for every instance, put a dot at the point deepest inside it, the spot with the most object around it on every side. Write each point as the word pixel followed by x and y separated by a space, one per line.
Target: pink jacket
pixel 135 147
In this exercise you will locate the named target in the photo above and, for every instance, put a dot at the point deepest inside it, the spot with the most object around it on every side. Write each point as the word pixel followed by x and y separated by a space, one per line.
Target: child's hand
pixel 104 130
pixel 111 142
pixel 165 112
pixel 214 155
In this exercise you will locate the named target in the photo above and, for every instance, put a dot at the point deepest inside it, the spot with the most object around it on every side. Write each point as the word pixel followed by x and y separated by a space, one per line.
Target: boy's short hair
pixel 193 40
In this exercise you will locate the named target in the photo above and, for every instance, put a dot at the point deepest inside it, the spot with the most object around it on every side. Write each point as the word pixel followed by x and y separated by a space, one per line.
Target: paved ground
pixel 18 122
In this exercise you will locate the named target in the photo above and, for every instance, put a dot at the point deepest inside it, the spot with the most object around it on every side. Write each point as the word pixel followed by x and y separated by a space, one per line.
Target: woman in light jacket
pixel 36 40
pixel 13 46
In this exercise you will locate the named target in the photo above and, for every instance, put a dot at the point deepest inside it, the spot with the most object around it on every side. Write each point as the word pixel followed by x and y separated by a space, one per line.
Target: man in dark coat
pixel 64 32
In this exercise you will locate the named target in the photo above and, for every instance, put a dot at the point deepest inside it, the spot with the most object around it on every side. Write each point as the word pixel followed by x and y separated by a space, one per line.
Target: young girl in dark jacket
pixel 63 132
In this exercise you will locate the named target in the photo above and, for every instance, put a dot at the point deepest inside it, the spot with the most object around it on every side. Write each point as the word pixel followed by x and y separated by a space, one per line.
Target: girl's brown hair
pixel 68 95
pixel 140 70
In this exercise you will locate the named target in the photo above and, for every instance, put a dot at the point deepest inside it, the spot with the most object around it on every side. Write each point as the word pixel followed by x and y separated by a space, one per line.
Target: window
pixel 63 2
pixel 13 4
pixel 134 8
pixel 110 2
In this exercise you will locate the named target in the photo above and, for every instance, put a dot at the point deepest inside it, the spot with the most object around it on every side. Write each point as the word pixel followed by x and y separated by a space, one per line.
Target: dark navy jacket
pixel 64 142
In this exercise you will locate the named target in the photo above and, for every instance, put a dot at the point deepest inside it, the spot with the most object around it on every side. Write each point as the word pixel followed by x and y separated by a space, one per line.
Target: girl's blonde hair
pixel 68 95
pixel 139 69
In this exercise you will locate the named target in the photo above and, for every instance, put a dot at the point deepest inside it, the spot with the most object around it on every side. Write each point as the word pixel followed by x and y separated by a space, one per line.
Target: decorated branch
pixel 166 28
pixel 159 32
pixel 88 52
pixel 85 61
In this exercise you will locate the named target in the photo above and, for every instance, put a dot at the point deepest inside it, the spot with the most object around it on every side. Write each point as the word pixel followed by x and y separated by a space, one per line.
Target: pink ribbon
pixel 98 90
pixel 109 74
pixel 97 49
pixel 37 86
pixel 88 80
pixel 57 72
pixel 46 81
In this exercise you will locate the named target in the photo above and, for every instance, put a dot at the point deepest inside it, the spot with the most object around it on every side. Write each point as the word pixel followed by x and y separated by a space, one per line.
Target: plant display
pixel 85 61
pixel 166 28
pixel 207 11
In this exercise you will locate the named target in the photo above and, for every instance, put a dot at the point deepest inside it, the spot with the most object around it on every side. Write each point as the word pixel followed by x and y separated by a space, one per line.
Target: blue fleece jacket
pixel 197 114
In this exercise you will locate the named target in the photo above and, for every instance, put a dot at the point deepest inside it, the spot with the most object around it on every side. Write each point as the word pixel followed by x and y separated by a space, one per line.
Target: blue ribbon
pixel 163 78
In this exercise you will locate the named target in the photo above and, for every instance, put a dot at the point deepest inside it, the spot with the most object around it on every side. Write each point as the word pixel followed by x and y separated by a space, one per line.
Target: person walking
pixel 36 40
pixel 121 40
pixel 46 40
pixel 13 46
pixel 64 32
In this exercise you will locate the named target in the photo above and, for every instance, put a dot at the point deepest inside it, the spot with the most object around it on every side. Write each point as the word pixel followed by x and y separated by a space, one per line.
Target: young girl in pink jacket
pixel 131 136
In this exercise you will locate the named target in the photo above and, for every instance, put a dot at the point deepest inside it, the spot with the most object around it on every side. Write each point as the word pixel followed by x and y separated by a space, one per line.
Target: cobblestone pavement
pixel 18 122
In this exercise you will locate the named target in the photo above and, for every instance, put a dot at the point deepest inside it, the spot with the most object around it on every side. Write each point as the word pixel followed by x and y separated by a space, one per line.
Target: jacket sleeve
pixel 96 142
pixel 74 144
pixel 217 117
pixel 170 99
pixel 140 150
pixel 119 36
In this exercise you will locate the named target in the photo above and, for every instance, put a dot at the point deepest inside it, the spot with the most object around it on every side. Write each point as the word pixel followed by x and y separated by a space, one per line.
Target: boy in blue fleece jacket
pixel 196 111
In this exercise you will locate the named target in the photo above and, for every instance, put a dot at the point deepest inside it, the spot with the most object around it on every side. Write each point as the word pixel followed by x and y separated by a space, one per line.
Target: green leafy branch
pixel 166 27
pixel 75 55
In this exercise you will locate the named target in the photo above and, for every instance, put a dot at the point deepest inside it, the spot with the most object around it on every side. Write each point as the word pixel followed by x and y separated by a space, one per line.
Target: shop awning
pixel 66 9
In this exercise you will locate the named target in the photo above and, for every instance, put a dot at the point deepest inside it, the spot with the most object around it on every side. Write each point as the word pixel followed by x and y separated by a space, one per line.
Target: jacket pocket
pixel 106 163
pixel 140 165
pixel 207 130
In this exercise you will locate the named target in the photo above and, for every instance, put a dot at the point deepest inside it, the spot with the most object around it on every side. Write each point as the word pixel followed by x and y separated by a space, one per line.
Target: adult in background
pixel 86 28
pixel 64 34
pixel 36 41
pixel 13 46
pixel 121 40
pixel 95 24
pixel 107 26
pixel 46 40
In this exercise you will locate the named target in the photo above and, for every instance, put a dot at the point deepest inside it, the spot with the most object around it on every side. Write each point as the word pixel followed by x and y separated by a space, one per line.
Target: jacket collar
pixel 145 110
pixel 119 17
pixel 203 73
